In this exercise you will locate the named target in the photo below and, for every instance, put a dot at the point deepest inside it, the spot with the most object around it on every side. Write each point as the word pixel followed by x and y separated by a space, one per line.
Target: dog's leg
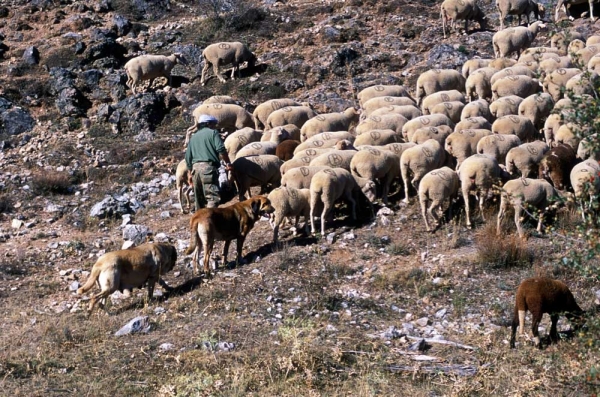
pixel 208 247
pixel 240 245
pixel 165 286
pixel 225 251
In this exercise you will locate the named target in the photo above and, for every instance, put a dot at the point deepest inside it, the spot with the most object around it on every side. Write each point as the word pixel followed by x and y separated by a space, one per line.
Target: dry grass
pixel 45 183
pixel 504 251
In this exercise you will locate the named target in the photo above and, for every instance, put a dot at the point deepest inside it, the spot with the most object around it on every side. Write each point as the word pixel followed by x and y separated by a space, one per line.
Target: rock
pixel 349 236
pixel 160 310
pixel 139 324
pixel 4 11
pixel 109 207
pixel 166 347
pixel 441 313
pixel 331 34
pixel 16 121
pixel 136 233
pixel 17 224
pixel 107 48
pixel 385 211
pixel 140 112
pixel 31 56
pixel 74 286
pixel 422 322
pixel 391 333
pixel 127 244
pixel 331 238
pixel 444 56
pixel 121 25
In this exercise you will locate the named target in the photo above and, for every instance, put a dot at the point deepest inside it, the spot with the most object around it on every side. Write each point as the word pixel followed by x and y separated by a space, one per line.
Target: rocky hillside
pixel 86 166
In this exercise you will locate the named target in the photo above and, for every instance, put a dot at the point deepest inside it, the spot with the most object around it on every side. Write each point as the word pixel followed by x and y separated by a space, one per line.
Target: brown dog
pixel 127 269
pixel 227 223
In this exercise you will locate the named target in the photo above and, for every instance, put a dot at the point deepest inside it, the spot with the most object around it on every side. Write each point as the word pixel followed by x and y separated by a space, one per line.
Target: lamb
pixel 478 108
pixel 505 106
pixel 335 159
pixel 289 202
pixel 261 170
pixel 478 173
pixel 556 166
pixel 432 120
pixel 240 138
pixel 256 149
pixel 511 40
pixel 537 108
pixel 561 40
pixel 181 182
pixel 497 146
pixel 525 158
pixel 226 53
pixel 224 99
pixel 329 185
pixel 520 126
pixel 437 186
pixel 452 110
pixel 544 295
pixel 280 134
pixel 466 10
pixel 516 70
pixel 555 82
pixel 408 111
pixel 441 96
pixel 471 123
pixel 149 67
pixel 519 7
pixel 392 121
pixel 379 102
pixel 418 161
pixel 566 135
pixel 378 138
pixel 585 179
pixel 474 64
pixel 586 150
pixel 377 91
pixel 299 178
pixel 435 80
pixel 296 115
pixel 285 150
pixel 379 165
pixel 229 117
pixel 478 84
pixel 439 133
pixel 262 111
pixel 521 86
pixel 329 122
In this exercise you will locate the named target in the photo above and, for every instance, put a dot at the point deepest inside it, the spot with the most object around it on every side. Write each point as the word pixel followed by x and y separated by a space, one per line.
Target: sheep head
pixel 179 58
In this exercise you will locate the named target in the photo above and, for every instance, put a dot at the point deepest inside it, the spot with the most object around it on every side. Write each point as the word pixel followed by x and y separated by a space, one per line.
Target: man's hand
pixel 190 179
pixel 229 167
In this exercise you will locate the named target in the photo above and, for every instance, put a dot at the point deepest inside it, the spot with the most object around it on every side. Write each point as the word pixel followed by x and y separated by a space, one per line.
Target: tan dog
pixel 227 223
pixel 127 269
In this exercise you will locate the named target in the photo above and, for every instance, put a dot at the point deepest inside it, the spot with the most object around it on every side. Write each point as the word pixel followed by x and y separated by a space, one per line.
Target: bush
pixel 502 251
pixel 51 183
pixel 6 204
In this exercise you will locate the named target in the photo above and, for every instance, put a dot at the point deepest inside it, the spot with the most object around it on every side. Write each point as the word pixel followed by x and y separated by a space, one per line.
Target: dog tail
pixel 193 239
pixel 92 279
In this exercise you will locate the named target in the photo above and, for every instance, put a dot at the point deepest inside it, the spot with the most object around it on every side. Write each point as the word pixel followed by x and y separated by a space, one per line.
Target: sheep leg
pixel 216 70
pixel 553 331
pixel 433 208
pixel 482 197
pixel 323 216
pixel 180 194
pixel 423 203
pixel 518 214
pixel 313 205
pixel 204 72
pixel 467 209
pixel 353 204
pixel 233 69
pixel 503 208
pixel 276 224
pixel 540 222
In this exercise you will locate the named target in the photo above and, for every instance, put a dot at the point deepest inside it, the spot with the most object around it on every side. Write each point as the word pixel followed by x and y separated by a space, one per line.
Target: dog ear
pixel 255 206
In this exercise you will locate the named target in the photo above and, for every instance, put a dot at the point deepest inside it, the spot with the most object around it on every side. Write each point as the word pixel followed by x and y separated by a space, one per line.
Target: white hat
pixel 205 118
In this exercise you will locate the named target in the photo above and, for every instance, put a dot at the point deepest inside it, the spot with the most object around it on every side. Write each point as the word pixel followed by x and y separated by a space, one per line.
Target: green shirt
pixel 205 146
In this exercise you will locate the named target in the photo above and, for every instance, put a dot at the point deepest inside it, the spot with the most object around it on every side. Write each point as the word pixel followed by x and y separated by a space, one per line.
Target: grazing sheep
pixel 556 166
pixel 540 50
pixel 537 108
pixel 398 148
pixel 585 179
pixel 466 10
pixel 520 126
pixel 418 161
pixel 574 47
pixel 550 65
pixel 296 115
pixel 229 117
pixel 586 150
pixel 516 70
pixel 583 56
pixel 408 111
pixel 377 91
pixel 256 149
pixel 379 102
pixel 386 122
pixel 149 67
pixel 505 106
pixel 294 163
pixel 477 174
pixel 311 152
pixel 299 178
pixel 329 185
pixel 593 64
pixel 439 133
pixel 581 84
pixel 329 122
pixel 472 123
pixel 378 138
pixel 502 63
pixel 566 135
pixel 478 84
pixel 511 40
pixel 437 186
pixel 226 99
pixel 240 138
pixel 561 40
pixel 335 159
pixel 374 164
pixel 521 86
pixel 536 58
pixel 262 111
pixel 497 146
pixel 431 120
pixel 452 110
pixel 474 64
pixel 261 170
pixel 544 295
pixel 441 96
pixel 183 188
pixel 555 82
pixel 289 202
pixel 525 158
pixel 592 40
pixel 519 7
pixel 329 140
pixel 225 53
pixel 551 126
pixel 280 134
pixel 285 150
pixel 435 80
pixel 478 108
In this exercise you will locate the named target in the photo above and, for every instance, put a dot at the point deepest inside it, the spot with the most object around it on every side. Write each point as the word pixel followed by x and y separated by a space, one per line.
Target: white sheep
pixel 525 194
pixel 408 111
pixel 511 40
pixel 334 159
pixel 551 126
pixel 439 133
pixel 478 108
pixel 497 146
pixel 582 84
pixel 240 138
pixel 229 117
pixel 516 70
pixel 225 53
pixel 149 67
pixel 289 202
pixel 520 126
pixel 256 149
pixel 183 188
pixel 574 47
pixel 463 144
pixel 473 123
pixel 376 91
pixel 418 161
pixel 521 86
pixel 466 10
pixel 329 122
pixel 555 82
pixel 296 115
pixel 586 150
pixel 435 80
pixel 398 148
pixel 300 177
pixel 474 64
pixel 437 186
pixel 379 102
pixel 538 56
pixel 325 140
pixel 441 96
pixel 561 40
pixel 378 138
pixel 585 179
pixel 431 120
pixel 505 106
pixel 262 170
pixel 282 133
pixel 386 122
pixel 525 159
pixel 566 134
pixel 477 174
pixel 593 64
pixel 537 108
pixel 452 110
pixel 592 40
pixel 502 63
pixel 221 99
pixel 262 111
pixel 584 55
pixel 519 7
pixel 548 66
pixel 374 164
pixel 329 185
pixel 293 163
pixel 478 84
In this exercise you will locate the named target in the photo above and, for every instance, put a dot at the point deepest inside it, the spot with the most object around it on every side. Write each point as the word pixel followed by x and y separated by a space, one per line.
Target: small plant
pixel 51 183
pixel 400 249
pixel 463 49
pixel 502 251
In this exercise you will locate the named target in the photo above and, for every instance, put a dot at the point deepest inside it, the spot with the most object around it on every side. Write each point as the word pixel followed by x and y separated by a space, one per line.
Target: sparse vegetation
pixel 504 251
pixel 47 182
